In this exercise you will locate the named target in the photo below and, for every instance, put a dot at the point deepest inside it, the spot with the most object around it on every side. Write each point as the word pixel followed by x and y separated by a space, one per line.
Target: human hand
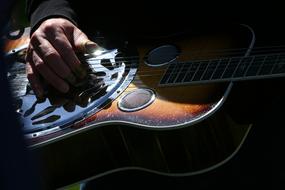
pixel 52 55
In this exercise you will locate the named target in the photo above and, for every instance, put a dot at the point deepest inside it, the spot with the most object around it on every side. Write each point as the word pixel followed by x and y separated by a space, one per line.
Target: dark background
pixel 258 164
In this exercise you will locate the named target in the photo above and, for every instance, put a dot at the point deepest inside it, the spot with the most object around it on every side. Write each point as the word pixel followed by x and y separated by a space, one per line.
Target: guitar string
pixel 195 61
pixel 149 73
pixel 203 53
pixel 235 51
pixel 259 48
pixel 201 79
pixel 137 83
pixel 257 64
pixel 155 71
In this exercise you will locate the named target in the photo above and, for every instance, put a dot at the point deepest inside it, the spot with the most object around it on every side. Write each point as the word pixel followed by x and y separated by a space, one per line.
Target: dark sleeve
pixel 40 10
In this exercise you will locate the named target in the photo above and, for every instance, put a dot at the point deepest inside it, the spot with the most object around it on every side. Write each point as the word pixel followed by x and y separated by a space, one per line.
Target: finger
pixel 64 48
pixel 33 77
pixel 48 74
pixel 81 42
pixel 87 46
pixel 52 58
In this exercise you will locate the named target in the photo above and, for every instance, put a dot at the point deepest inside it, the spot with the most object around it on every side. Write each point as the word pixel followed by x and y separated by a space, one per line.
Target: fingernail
pixel 90 47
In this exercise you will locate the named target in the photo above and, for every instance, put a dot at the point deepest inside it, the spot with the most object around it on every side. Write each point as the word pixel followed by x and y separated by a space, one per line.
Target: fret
pixel 231 67
pixel 220 68
pixel 167 74
pixel 236 67
pixel 261 66
pixel 205 70
pixel 209 71
pixel 198 74
pixel 225 68
pixel 183 72
pixel 254 66
pixel 267 65
pixel 272 69
pixel 174 73
pixel 218 63
pixel 194 66
pixel 279 67
pixel 180 71
pixel 242 67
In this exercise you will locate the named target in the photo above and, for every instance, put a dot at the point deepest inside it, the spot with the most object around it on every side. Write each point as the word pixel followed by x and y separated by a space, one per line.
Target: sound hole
pixel 136 100
pixel 161 55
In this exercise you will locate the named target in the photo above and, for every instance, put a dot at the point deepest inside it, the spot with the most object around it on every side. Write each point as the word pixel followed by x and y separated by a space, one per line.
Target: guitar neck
pixel 225 69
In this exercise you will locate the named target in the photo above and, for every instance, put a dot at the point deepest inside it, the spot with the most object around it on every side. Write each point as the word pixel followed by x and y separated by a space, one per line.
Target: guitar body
pixel 168 128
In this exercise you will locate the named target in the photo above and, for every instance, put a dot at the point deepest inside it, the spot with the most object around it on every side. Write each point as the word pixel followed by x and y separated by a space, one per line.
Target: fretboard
pixel 225 69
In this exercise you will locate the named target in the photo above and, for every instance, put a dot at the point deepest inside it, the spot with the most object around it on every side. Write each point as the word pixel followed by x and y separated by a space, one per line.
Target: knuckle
pixel 49 26
pixel 29 72
pixel 67 24
pixel 28 68
pixel 64 22
pixel 35 37
pixel 50 54
pixel 30 76
pixel 39 64
pixel 58 40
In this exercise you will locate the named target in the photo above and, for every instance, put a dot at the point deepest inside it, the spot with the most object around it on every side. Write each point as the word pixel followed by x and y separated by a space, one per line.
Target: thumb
pixel 87 46
pixel 83 44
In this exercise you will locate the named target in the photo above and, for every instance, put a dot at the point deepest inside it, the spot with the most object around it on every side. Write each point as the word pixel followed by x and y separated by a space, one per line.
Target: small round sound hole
pixel 136 100
pixel 161 55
